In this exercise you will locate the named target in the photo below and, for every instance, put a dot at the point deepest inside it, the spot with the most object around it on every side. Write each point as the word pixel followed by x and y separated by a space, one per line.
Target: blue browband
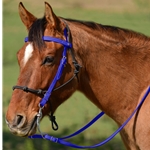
pixel 52 39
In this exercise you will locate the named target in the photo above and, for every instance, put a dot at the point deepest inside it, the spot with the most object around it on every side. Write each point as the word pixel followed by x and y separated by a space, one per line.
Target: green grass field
pixel 77 111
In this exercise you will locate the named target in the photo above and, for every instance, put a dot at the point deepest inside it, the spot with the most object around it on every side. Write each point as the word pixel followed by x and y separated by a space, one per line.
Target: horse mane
pixel 114 33
pixel 37 29
pixel 109 28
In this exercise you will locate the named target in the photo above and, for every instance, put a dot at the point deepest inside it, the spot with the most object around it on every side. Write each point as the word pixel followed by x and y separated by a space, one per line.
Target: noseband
pixel 46 94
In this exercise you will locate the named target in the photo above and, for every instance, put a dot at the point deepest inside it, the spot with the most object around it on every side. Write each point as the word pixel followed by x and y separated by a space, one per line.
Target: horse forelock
pixel 36 32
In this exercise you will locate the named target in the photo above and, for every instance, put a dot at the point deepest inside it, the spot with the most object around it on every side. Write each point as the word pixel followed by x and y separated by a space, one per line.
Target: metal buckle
pixel 39 117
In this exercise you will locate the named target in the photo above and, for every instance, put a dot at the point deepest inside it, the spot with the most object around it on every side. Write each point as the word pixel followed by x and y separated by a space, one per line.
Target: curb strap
pixel 66 143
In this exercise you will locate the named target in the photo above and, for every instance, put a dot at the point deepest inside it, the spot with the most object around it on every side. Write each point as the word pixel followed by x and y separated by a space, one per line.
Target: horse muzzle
pixel 21 127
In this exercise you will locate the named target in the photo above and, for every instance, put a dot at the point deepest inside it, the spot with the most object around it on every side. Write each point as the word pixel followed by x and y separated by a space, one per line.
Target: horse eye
pixel 48 60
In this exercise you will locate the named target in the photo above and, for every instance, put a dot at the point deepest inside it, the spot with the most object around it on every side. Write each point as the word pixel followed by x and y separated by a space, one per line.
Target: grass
pixel 76 111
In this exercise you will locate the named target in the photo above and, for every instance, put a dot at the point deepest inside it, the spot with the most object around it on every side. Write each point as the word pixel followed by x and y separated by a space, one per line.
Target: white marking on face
pixel 28 53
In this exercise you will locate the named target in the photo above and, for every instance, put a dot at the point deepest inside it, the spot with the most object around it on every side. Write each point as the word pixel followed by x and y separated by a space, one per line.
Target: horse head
pixel 39 61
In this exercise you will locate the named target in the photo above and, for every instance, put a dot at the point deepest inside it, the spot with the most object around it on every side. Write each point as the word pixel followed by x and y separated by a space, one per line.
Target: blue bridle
pixel 46 94
pixel 67 45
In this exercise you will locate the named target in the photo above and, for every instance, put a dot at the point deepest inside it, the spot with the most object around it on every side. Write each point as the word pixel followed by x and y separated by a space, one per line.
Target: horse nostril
pixel 19 121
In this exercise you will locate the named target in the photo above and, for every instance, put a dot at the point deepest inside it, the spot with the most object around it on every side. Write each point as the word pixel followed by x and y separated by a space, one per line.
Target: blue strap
pixel 26 39
pixel 77 132
pixel 85 127
pixel 66 45
pixel 63 142
pixel 60 68
pixel 63 61
pixel 52 39
pixel 56 78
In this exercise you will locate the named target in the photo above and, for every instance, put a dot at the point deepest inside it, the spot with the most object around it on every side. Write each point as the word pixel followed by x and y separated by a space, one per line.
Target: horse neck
pixel 87 44
pixel 86 47
pixel 101 78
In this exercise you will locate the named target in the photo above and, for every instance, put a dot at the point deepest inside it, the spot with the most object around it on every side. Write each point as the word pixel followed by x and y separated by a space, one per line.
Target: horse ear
pixel 51 18
pixel 26 17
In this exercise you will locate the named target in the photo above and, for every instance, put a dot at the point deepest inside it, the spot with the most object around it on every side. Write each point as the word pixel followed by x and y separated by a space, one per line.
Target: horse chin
pixel 32 129
pixel 28 130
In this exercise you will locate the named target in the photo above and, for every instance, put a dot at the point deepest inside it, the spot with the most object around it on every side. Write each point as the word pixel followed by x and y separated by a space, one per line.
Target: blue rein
pixel 68 45
pixel 66 143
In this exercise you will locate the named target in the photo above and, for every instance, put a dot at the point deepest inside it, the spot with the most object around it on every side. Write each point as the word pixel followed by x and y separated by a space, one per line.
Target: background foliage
pixel 77 111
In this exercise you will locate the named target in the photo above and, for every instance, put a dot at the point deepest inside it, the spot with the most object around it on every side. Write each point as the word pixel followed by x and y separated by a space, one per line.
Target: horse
pixel 112 72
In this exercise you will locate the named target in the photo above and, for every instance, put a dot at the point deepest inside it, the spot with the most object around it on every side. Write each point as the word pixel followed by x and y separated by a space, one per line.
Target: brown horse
pixel 114 75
